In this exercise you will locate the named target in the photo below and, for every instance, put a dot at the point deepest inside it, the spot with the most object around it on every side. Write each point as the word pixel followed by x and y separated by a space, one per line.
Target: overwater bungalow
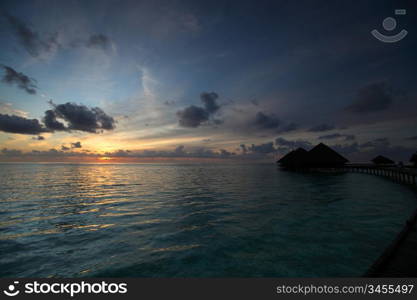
pixel 413 160
pixel 295 158
pixel 321 156
pixel 382 160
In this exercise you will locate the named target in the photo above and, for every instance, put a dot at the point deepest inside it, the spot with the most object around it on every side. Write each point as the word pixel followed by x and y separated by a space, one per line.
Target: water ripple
pixel 65 220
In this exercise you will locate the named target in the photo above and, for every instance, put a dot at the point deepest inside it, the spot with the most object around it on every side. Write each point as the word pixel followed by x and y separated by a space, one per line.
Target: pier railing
pixel 404 175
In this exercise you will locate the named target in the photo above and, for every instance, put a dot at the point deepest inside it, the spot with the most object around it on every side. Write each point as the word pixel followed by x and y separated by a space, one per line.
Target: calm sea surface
pixel 198 220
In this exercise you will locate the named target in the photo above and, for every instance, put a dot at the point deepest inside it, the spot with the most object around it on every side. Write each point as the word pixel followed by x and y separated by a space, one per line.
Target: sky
pixel 205 80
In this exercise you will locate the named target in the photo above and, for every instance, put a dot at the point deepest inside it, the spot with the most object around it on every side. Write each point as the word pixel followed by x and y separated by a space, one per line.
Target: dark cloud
pixel 98 41
pixel 16 124
pixel 11 76
pixel 372 98
pixel 412 138
pixel 209 100
pixel 51 122
pixel 179 151
pixel 30 39
pixel 38 138
pixel 321 127
pixel 367 151
pixel 346 137
pixel 266 121
pixel 78 117
pixel 64 148
pixel 263 148
pixel 284 143
pixel 76 145
pixel 224 153
pixel 119 153
pixel 11 152
pixel 192 116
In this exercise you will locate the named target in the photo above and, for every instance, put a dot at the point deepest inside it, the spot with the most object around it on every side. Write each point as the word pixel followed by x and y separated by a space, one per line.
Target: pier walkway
pixel 404 175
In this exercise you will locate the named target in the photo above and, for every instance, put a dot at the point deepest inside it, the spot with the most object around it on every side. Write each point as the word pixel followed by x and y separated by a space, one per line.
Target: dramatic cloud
pixel 193 116
pixel 64 148
pixel 372 98
pixel 321 127
pixel 16 124
pixel 50 121
pixel 346 137
pixel 11 76
pixel 30 39
pixel 76 145
pixel 209 100
pixel 98 41
pixel 78 117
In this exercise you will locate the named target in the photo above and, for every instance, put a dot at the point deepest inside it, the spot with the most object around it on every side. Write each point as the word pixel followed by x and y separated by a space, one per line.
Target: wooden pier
pixel 400 258
pixel 403 175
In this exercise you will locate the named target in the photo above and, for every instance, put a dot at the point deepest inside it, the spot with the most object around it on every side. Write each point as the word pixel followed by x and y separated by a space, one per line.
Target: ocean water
pixel 193 220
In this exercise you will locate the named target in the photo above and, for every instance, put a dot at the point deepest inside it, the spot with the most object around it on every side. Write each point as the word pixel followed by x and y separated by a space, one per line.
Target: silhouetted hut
pixel 295 158
pixel 322 156
pixel 413 160
pixel 382 160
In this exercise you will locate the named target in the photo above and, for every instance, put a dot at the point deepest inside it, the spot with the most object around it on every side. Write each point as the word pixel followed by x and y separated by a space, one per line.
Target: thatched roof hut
pixel 324 156
pixel 294 158
pixel 321 156
pixel 382 160
pixel 413 159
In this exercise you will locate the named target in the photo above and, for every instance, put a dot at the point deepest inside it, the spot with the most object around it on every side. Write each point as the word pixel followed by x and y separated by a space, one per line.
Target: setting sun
pixel 105 158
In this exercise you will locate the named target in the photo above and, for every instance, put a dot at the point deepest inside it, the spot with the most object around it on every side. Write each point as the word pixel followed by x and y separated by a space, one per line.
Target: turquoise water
pixel 198 220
